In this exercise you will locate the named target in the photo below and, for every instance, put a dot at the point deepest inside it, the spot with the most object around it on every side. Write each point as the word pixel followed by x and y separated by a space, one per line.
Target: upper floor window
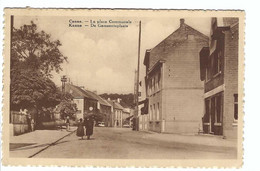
pixel 158 80
pixel 217 62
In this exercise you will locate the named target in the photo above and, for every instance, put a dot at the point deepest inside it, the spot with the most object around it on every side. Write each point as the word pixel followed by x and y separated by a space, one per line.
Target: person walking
pixel 89 124
pixel 67 121
pixel 29 123
pixel 80 129
pixel 32 124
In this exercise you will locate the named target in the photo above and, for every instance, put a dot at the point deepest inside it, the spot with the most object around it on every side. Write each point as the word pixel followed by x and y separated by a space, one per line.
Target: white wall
pixel 80 107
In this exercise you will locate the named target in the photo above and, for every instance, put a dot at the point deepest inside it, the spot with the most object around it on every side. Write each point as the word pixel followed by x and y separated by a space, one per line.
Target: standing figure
pixel 67 121
pixel 80 129
pixel 29 122
pixel 89 124
pixel 32 124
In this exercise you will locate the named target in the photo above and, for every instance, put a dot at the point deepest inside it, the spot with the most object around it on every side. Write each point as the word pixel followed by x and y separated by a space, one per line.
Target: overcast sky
pixel 104 59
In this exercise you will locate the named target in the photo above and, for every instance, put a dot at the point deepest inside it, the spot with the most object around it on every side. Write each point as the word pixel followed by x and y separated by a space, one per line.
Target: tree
pixel 34 55
pixel 32 89
pixel 67 108
pixel 36 50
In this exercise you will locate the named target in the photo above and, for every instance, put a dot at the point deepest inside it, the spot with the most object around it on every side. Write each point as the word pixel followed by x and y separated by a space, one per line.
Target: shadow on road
pixel 22 146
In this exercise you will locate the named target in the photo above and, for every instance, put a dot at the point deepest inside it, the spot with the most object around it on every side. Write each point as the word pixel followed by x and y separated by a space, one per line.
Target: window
pixel 158 109
pixel 218 109
pixel 149 87
pixel 235 106
pixel 154 111
pixel 151 112
pixel 207 111
pixel 156 83
pixel 153 84
pixel 217 62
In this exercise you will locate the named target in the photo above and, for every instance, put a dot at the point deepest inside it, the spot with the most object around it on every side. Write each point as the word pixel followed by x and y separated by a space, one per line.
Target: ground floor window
pixel 212 119
pixel 158 111
pixel 154 112
pixel 235 106
pixel 218 108
pixel 151 112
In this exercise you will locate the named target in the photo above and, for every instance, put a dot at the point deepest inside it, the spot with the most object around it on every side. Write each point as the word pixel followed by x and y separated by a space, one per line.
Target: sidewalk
pixel 197 139
pixel 28 144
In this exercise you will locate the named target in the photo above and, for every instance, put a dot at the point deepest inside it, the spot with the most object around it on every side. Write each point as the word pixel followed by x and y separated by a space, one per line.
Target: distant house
pixel 173 86
pixel 104 108
pixel 143 103
pixel 86 103
pixel 219 71
pixel 125 115
pixel 117 114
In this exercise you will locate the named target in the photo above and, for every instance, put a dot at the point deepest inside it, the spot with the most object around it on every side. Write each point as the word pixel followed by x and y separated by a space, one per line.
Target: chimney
pixel 108 99
pixel 95 91
pixel 118 100
pixel 182 21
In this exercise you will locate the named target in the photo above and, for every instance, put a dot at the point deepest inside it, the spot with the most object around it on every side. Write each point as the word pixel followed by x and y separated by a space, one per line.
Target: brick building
pixel 219 71
pixel 173 86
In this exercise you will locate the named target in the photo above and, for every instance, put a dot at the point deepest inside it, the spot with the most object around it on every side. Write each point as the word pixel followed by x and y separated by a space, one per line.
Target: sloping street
pixel 123 143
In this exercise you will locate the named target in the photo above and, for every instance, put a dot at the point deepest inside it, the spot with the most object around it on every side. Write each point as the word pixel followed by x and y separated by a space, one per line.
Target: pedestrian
pixel 29 123
pixel 89 124
pixel 67 121
pixel 32 124
pixel 80 129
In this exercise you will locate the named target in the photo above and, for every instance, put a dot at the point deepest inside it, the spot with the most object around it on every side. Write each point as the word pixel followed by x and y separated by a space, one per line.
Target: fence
pixel 20 123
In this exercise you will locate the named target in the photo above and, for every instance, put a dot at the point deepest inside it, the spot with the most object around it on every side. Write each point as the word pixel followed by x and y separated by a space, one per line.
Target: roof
pixel 78 92
pixel 174 40
pixel 118 106
pixel 97 97
pixel 225 21
pixel 115 104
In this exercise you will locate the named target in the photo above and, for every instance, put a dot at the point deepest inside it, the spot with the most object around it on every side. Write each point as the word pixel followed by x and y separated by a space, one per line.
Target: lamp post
pixel 63 81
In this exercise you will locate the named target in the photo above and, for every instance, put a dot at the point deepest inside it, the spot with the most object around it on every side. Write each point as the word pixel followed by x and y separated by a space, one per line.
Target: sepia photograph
pixel 132 87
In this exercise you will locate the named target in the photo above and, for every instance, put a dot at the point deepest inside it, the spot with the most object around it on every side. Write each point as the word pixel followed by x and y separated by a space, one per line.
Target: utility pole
pixel 137 79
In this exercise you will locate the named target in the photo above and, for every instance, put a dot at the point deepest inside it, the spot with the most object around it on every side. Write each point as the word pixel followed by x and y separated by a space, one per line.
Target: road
pixel 123 143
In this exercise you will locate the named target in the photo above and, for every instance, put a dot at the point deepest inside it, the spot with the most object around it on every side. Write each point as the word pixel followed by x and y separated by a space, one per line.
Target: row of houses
pixel 111 112
pixel 191 81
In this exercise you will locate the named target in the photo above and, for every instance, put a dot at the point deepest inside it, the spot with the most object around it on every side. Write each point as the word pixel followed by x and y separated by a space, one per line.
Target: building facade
pixel 219 71
pixel 173 86
pixel 86 104
pixel 117 113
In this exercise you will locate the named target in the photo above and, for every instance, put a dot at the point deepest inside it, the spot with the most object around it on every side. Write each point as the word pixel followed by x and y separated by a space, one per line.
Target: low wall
pixel 19 122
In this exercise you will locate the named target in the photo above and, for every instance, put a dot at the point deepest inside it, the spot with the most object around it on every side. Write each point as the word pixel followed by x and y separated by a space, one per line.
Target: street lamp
pixel 63 81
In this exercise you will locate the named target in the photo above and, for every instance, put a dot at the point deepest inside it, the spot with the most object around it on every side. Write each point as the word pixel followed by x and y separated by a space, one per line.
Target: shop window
pixel 218 109
pixel 207 111
pixel 235 106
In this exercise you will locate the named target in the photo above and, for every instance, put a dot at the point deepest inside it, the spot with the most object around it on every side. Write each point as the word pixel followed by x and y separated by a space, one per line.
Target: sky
pixel 105 59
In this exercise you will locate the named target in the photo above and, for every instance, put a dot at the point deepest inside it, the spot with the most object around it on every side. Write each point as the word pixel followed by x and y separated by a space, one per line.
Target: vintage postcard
pixel 123 88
